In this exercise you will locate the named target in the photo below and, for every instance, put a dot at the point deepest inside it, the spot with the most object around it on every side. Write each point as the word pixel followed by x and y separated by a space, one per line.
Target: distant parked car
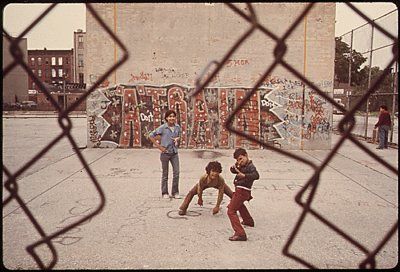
pixel 335 110
pixel 28 105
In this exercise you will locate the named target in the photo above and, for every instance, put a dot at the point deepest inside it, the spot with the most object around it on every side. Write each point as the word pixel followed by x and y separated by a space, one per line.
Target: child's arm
pixel 220 194
pixel 252 173
pixel 200 190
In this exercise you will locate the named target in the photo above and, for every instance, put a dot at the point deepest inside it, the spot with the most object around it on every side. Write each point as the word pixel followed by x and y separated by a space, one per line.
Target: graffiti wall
pixel 282 112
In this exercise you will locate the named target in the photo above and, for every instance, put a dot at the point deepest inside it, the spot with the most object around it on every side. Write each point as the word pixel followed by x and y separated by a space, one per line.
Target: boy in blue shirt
pixel 169 132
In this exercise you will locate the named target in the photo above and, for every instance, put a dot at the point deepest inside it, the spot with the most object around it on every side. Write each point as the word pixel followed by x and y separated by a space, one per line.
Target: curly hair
pixel 214 166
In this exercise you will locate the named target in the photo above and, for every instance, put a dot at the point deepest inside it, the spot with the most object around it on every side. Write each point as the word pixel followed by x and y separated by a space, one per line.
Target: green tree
pixel 342 58
pixel 386 87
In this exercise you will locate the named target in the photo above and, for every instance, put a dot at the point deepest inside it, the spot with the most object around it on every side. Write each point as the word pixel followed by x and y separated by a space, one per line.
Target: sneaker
pixel 379 147
pixel 165 196
pixel 177 196
pixel 238 238
pixel 182 212
pixel 249 225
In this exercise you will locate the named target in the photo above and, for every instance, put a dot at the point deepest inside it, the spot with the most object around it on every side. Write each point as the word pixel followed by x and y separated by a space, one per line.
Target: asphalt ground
pixel 137 229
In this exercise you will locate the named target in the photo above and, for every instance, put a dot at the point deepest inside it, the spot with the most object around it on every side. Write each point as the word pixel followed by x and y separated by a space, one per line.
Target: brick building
pixel 79 56
pixel 56 69
pixel 51 66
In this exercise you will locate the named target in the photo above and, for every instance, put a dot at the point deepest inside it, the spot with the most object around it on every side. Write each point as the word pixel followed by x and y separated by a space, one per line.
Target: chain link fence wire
pixel 345 127
pixel 376 46
pixel 65 123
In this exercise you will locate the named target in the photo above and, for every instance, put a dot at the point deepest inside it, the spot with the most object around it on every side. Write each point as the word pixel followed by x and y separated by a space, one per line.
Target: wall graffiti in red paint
pixel 124 115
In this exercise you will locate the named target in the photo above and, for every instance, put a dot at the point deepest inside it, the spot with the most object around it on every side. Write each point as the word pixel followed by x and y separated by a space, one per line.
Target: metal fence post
pixel 369 81
pixel 393 99
pixel 350 60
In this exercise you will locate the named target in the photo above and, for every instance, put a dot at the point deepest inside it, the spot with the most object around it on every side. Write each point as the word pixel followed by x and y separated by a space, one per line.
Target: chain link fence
pixel 303 199
pixel 376 47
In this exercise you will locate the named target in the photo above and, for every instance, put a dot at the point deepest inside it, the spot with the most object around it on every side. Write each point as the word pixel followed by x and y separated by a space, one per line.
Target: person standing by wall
pixel 383 125
pixel 170 133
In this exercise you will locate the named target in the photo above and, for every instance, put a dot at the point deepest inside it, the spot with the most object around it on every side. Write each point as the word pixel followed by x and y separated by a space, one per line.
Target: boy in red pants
pixel 246 174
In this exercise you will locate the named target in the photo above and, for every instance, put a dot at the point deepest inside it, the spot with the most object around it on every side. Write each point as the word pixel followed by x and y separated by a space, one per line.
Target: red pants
pixel 237 204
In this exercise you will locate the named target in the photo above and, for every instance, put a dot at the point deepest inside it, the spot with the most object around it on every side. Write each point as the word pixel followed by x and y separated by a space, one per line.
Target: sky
pixel 56 30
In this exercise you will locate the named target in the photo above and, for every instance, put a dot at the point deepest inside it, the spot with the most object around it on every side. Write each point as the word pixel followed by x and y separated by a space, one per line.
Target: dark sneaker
pixel 182 212
pixel 248 224
pixel 238 238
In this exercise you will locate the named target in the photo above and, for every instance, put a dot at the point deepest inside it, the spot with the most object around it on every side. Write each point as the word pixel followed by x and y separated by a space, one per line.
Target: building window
pixel 53 72
pixel 67 60
pixel 39 73
pixel 47 61
pixel 33 61
pixel 80 42
pixel 60 72
pixel 60 61
pixel 80 60
pixel 53 61
pixel 46 74
pixel 39 60
pixel 33 86
pixel 33 71
pixel 81 78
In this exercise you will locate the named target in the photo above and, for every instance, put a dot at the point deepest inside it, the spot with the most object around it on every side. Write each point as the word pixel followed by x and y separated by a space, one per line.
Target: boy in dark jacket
pixel 246 174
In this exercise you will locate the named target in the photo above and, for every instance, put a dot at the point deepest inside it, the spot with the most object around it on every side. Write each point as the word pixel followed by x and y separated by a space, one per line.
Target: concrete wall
pixel 171 43
pixel 15 84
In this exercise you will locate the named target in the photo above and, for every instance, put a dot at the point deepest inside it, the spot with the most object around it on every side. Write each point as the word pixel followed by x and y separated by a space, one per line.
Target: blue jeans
pixel 383 134
pixel 174 159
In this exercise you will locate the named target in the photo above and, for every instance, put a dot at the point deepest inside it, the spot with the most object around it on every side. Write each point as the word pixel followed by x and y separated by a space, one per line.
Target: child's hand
pixel 241 175
pixel 200 202
pixel 215 210
pixel 175 140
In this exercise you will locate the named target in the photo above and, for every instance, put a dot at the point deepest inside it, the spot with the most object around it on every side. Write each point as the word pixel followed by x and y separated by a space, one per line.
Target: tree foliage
pixel 342 59
pixel 360 76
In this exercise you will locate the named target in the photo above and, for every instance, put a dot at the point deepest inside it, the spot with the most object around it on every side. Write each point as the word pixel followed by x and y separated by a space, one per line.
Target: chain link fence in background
pixel 304 201
pixel 377 49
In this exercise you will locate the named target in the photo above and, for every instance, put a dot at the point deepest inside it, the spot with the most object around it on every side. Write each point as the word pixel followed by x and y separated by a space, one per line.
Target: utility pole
pixel 65 100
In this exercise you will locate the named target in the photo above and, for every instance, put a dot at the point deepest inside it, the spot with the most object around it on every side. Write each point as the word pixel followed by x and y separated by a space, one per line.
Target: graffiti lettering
pixel 284 111
pixel 236 62
pixel 147 118
pixel 141 77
